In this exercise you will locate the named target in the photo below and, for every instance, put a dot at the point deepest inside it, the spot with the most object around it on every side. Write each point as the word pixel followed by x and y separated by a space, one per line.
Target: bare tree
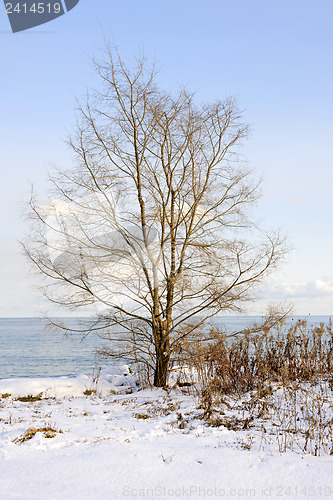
pixel 151 224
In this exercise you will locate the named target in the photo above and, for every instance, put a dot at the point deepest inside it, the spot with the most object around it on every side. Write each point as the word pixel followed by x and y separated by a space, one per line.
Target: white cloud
pixel 316 288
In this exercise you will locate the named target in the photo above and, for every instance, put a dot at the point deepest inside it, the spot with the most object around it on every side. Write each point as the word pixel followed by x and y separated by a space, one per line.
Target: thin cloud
pixel 316 288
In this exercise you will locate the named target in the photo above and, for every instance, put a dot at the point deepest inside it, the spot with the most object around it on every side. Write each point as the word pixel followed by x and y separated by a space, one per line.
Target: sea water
pixel 28 348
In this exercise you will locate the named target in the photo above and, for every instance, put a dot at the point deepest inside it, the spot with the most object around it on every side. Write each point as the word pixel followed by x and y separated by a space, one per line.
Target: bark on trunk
pixel 162 358
pixel 161 369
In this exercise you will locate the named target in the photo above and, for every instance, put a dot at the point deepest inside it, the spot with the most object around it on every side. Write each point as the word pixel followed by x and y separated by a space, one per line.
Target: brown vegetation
pixel 48 432
pixel 252 360
pixel 278 382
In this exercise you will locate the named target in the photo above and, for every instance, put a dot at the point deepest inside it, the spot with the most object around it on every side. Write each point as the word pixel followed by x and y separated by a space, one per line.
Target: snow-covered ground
pixel 149 444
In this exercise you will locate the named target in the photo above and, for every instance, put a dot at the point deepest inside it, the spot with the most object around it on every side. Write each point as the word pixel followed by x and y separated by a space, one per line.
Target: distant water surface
pixel 29 349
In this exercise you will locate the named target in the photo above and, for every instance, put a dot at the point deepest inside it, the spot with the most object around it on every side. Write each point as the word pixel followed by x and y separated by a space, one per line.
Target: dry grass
pixel 48 432
pixel 89 392
pixel 142 416
pixel 30 398
pixel 301 419
pixel 280 381
pixel 251 361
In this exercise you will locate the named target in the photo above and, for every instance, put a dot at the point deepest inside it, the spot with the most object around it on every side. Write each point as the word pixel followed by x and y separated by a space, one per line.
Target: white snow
pixel 149 444
pixel 108 380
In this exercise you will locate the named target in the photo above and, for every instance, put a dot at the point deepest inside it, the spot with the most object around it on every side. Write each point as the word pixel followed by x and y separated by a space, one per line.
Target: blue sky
pixel 276 57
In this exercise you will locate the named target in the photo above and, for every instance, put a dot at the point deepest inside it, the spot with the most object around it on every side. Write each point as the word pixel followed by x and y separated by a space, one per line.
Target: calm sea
pixel 29 349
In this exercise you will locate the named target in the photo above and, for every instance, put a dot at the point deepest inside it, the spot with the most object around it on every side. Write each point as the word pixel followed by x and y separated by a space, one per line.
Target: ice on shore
pixel 111 380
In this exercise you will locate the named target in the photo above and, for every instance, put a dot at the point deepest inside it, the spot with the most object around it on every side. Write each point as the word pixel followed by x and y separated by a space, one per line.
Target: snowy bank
pixel 151 444
pixel 112 380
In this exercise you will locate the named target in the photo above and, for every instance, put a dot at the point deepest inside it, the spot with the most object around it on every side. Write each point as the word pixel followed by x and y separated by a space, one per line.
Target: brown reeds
pixel 278 382
pixel 251 361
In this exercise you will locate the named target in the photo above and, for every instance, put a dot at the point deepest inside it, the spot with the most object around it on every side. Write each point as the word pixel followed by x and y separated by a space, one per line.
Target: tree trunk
pixel 162 348
pixel 161 369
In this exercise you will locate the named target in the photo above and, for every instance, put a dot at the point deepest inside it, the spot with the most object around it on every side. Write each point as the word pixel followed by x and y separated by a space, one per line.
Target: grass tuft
pixel 30 398
pixel 49 433
pixel 89 392
pixel 141 416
